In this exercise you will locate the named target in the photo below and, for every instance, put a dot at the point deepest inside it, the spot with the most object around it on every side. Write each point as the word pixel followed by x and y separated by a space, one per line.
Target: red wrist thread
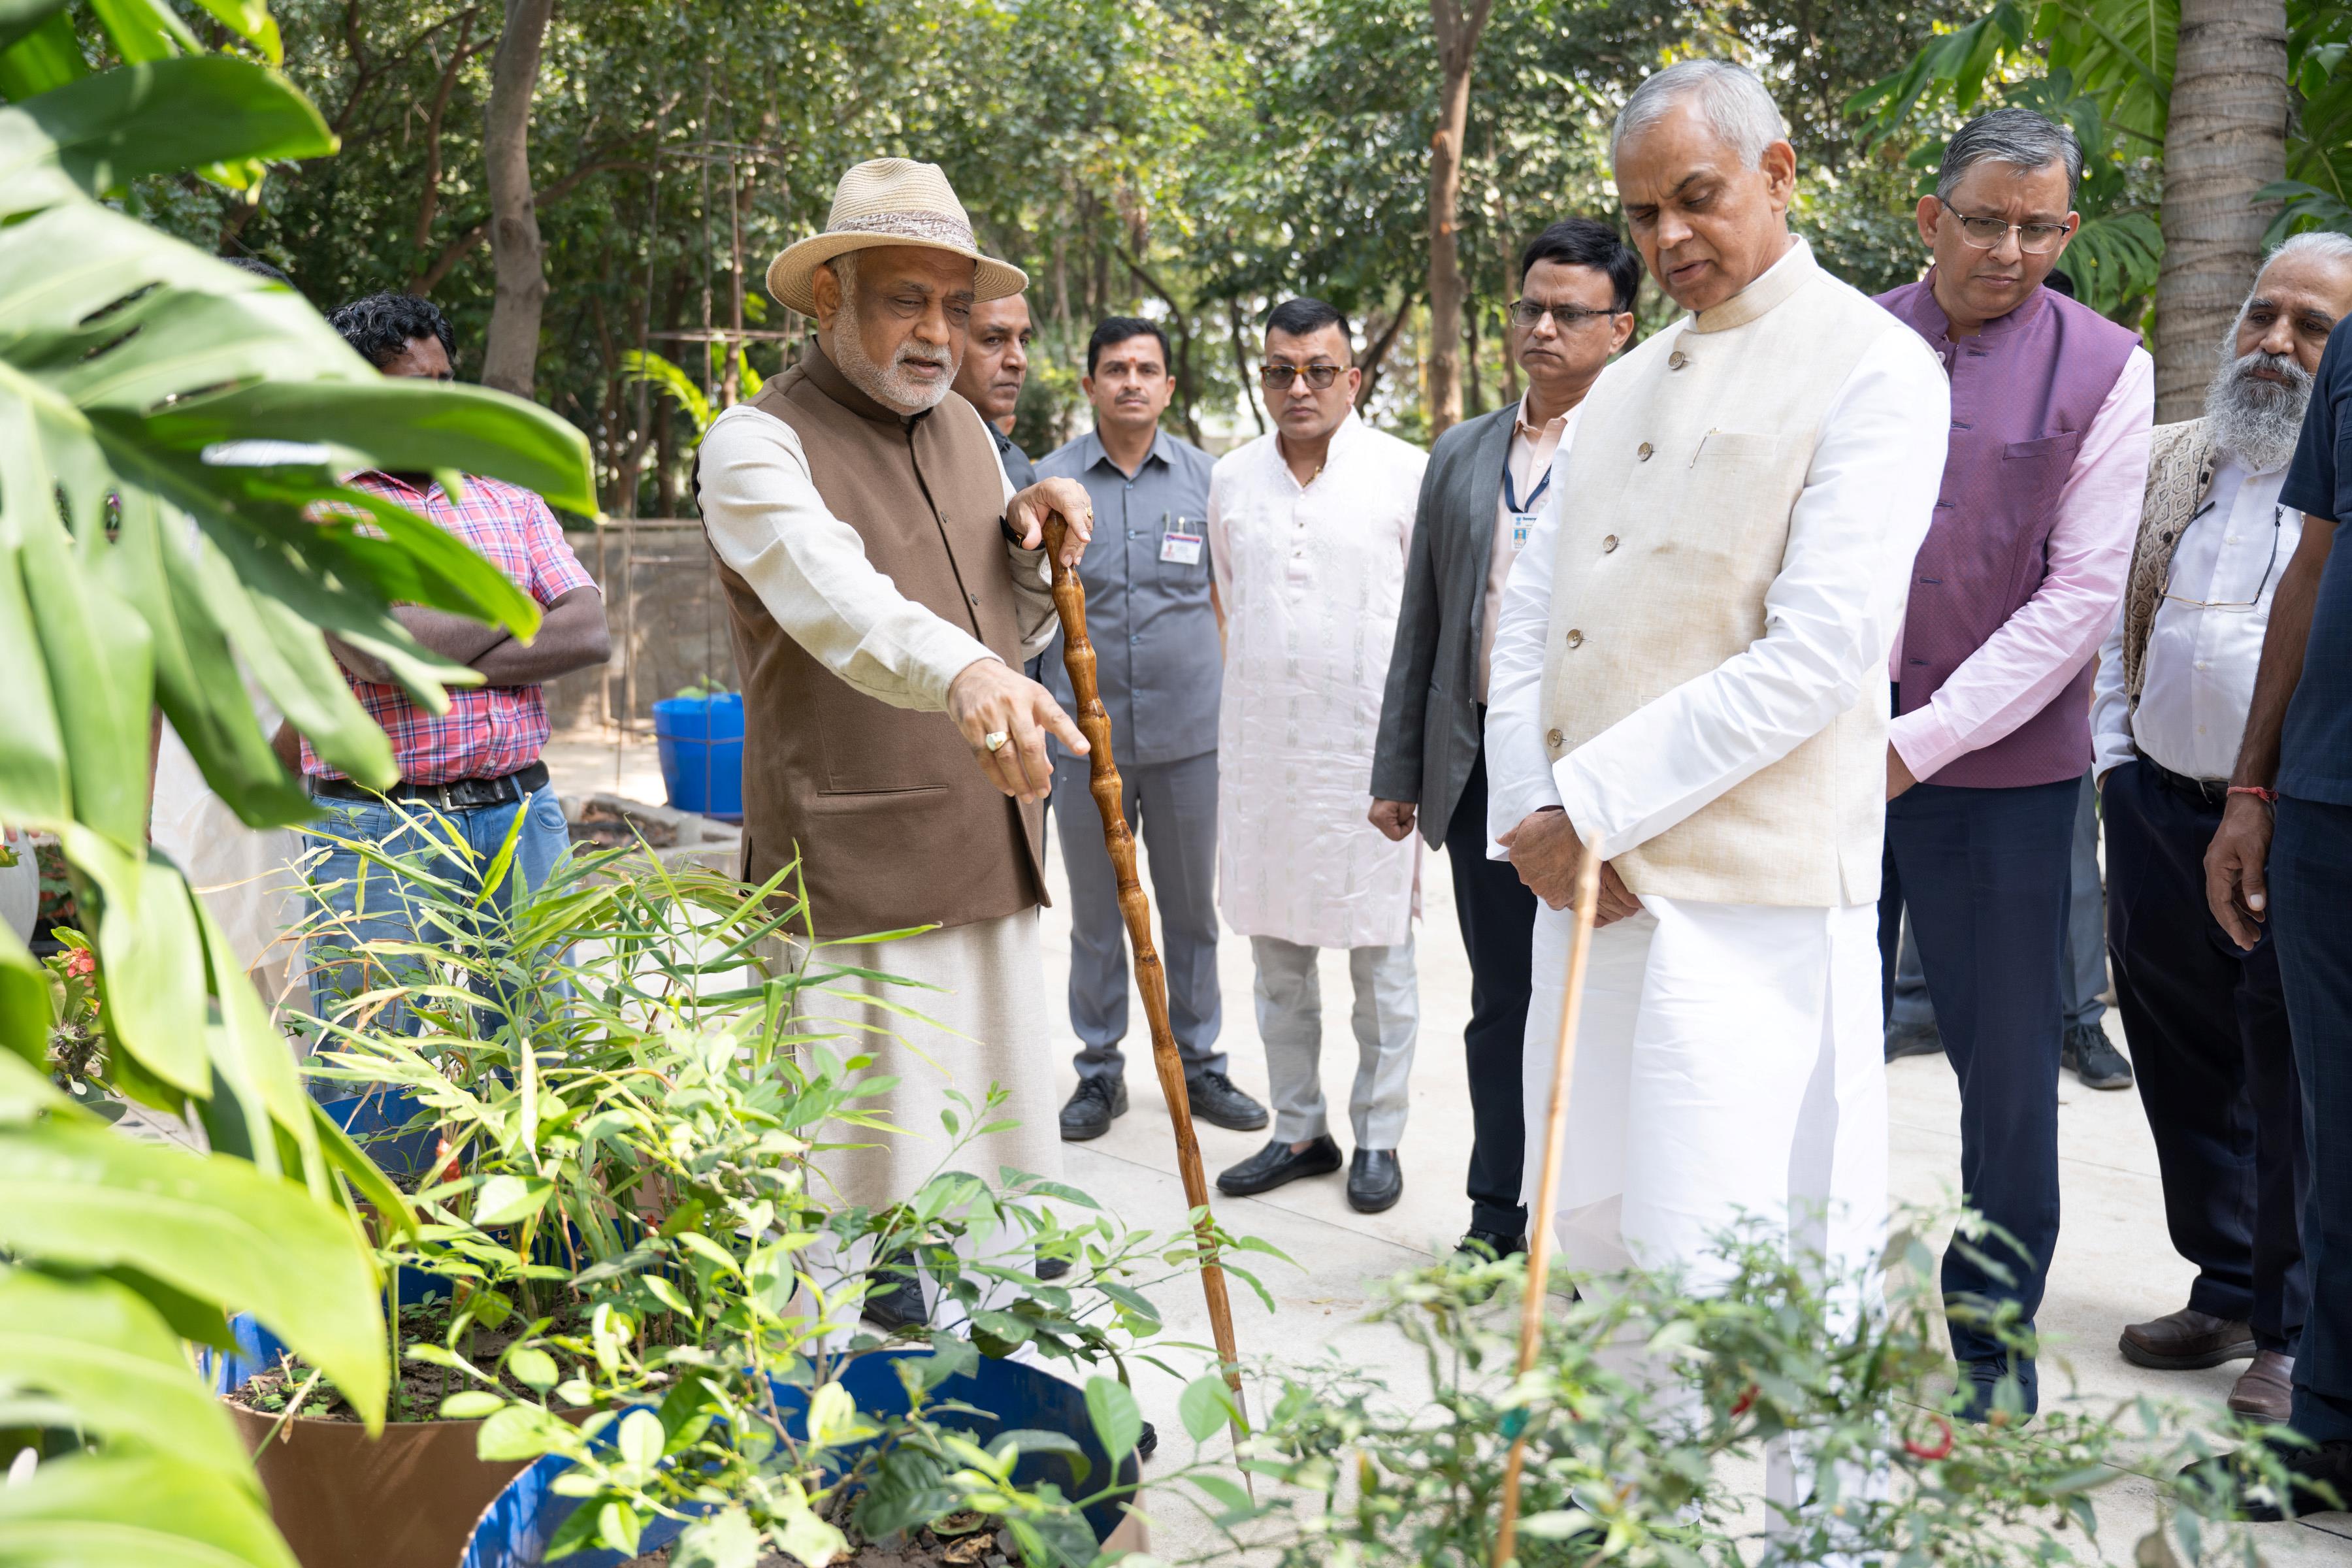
pixel 2267 796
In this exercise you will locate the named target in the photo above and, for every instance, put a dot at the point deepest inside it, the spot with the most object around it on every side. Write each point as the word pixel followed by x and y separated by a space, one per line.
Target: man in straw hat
pixel 884 582
pixel 1689 670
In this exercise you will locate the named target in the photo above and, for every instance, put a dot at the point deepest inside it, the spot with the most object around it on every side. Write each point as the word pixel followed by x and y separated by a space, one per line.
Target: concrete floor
pixel 2114 1264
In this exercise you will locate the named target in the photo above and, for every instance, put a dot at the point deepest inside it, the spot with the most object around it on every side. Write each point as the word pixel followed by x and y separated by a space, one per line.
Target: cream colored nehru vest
pixel 1675 512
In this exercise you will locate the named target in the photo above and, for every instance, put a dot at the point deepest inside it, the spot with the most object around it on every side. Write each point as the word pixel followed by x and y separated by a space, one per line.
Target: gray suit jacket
pixel 1430 736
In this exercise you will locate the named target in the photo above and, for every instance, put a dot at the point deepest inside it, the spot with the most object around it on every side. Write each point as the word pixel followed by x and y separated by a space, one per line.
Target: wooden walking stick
pixel 1563 1071
pixel 1151 979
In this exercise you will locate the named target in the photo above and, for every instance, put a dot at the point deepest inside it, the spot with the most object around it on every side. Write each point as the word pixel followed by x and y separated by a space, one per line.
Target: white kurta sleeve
pixel 1519 774
pixel 1828 616
pixel 767 521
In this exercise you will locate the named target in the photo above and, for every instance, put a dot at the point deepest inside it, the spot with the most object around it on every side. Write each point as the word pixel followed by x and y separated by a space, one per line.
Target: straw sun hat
pixel 889 201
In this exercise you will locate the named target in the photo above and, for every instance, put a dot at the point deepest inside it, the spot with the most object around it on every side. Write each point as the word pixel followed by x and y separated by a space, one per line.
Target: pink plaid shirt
pixel 489 730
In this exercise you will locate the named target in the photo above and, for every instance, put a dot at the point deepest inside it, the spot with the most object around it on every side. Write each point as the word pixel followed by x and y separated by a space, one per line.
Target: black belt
pixel 456 794
pixel 2213 792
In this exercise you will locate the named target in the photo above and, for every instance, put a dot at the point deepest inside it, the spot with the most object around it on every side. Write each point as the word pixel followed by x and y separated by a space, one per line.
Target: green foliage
pixel 140 563
pixel 1625 1465
pixel 627 1136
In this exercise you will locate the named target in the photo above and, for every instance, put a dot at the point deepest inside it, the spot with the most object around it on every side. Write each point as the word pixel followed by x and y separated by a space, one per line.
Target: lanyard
pixel 1510 500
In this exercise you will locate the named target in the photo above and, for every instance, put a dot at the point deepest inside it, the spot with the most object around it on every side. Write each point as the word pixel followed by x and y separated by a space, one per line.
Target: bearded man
pixel 2207 1019
pixel 1686 675
pixel 884 582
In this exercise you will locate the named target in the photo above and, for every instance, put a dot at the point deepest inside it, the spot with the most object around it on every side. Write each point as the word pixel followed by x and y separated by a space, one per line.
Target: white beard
pixel 889 385
pixel 2256 422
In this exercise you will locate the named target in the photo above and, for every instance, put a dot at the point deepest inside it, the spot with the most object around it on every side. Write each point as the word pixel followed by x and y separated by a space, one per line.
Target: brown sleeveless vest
pixel 892 821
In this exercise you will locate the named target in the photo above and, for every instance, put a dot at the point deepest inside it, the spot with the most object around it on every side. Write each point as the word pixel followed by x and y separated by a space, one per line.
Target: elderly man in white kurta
pixel 1308 532
pixel 884 585
pixel 1689 672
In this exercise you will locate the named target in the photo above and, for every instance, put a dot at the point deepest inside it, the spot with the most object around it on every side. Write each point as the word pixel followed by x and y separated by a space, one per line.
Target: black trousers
pixel 2208 1026
pixel 2310 867
pixel 1985 874
pixel 1497 915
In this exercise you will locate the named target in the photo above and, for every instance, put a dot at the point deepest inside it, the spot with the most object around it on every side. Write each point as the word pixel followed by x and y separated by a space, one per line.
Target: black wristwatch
pixel 1011 538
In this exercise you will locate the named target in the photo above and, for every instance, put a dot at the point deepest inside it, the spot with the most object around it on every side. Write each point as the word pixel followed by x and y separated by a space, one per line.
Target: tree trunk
pixel 1457 27
pixel 511 362
pixel 2225 139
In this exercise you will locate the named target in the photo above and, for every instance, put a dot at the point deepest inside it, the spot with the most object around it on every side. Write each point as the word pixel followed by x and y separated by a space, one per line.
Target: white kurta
pixel 1310 578
pixel 248 878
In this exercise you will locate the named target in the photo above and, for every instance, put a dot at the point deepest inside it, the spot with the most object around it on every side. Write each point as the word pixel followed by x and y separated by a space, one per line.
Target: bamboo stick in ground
pixel 1151 978
pixel 1563 1073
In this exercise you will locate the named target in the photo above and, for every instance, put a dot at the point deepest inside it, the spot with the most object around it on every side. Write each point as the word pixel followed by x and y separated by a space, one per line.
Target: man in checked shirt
pixel 476 766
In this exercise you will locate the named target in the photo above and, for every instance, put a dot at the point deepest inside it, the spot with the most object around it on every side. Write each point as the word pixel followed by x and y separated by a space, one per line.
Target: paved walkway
pixel 2114 1264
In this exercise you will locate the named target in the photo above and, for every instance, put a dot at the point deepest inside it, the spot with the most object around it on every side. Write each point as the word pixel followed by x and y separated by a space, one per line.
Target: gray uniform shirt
pixel 1147 577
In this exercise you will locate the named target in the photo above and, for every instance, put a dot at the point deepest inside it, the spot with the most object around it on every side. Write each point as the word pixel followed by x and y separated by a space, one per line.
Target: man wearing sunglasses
pixel 2207 1019
pixel 2008 600
pixel 1488 478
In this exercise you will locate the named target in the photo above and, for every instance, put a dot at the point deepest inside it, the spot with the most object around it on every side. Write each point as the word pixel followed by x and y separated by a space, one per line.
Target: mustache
pixel 2285 366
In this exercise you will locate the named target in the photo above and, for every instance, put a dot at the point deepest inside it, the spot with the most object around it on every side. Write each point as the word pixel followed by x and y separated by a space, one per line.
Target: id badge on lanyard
pixel 1182 540
pixel 1523 517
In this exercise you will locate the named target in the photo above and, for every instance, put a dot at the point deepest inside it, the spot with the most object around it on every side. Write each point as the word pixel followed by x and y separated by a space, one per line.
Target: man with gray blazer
pixel 1487 479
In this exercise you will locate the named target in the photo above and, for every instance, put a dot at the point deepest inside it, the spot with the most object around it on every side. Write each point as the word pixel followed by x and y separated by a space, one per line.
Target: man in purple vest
pixel 2010 595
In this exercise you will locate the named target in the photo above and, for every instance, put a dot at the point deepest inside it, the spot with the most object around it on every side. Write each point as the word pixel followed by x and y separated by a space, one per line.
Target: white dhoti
pixel 1729 1061
pixel 987 1024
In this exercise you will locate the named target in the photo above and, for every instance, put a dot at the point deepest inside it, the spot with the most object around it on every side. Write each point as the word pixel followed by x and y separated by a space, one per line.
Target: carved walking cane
pixel 1563 1070
pixel 1151 979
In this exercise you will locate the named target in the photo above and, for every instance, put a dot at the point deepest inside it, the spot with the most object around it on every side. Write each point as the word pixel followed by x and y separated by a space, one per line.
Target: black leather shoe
pixel 2186 1341
pixel 1375 1181
pixel 1098 1102
pixel 2233 1484
pixel 894 1299
pixel 1913 1040
pixel 1215 1101
pixel 1273 1165
pixel 1490 1245
pixel 2089 1055
pixel 1050 1269
pixel 1148 1443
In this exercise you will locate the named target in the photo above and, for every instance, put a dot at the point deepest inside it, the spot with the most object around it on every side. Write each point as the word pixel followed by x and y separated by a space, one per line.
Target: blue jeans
pixel 378 905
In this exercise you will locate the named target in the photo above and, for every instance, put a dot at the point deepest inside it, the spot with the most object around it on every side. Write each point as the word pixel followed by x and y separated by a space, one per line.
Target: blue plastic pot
pixel 514 1530
pixel 701 744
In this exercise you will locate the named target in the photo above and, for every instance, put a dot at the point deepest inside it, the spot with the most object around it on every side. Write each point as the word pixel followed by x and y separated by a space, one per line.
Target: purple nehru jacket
pixel 2024 392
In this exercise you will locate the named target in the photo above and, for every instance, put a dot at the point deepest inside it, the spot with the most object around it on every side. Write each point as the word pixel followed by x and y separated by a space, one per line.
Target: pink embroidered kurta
pixel 1309 579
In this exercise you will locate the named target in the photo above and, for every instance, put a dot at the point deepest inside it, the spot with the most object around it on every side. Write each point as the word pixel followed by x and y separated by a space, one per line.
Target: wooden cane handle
pixel 1151 978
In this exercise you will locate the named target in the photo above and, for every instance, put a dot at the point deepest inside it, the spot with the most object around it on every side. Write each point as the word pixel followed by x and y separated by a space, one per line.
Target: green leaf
pixel 1118 1422
pixel 723 1540
pixel 506 1200
pixel 113 1361
pixel 80 1196
pixel 640 1440
pixel 471 1405
pixel 148 1510
pixel 533 1368
pixel 163 117
pixel 47 57
pixel 1206 1407
pixel 1234 1502
pixel 18 17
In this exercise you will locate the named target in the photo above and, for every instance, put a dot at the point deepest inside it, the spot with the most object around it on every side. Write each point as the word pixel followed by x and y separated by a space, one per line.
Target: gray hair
pixel 1738 106
pixel 2319 244
pixel 2018 137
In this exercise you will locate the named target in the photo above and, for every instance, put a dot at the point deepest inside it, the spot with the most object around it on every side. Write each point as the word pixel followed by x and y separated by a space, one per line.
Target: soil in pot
pixel 971 1541
pixel 408 1498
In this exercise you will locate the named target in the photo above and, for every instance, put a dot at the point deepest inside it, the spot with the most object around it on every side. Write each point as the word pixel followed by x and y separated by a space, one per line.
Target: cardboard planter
pixel 514 1529
pixel 344 1500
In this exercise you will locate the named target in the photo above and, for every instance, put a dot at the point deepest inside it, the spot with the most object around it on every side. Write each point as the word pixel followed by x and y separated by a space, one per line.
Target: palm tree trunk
pixel 1457 26
pixel 510 362
pixel 2225 139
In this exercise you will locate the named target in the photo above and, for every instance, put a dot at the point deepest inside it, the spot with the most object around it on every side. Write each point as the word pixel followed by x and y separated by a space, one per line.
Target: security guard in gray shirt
pixel 1157 660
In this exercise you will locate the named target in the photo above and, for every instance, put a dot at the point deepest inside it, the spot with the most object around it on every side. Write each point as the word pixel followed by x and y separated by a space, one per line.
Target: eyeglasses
pixel 1984 232
pixel 1525 313
pixel 1278 377
pixel 2278 515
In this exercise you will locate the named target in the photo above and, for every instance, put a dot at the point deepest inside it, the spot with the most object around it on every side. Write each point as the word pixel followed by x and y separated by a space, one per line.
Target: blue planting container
pixel 514 1530
pixel 702 743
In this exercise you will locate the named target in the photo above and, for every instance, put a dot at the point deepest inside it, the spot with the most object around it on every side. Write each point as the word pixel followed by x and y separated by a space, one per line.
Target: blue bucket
pixel 514 1529
pixel 702 743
